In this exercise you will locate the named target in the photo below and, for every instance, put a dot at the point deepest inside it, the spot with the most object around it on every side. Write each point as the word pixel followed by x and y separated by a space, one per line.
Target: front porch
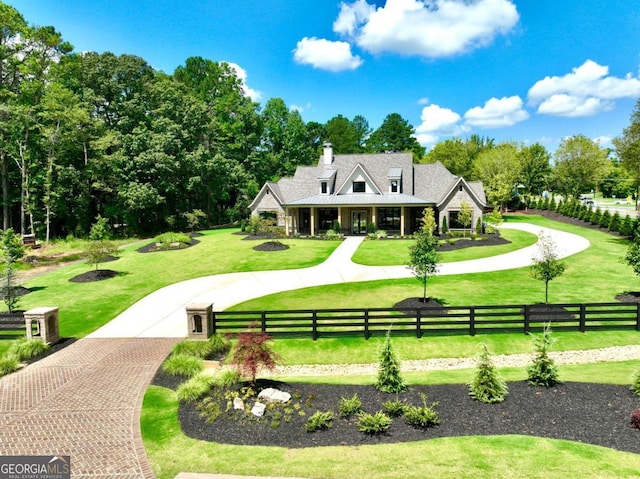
pixel 353 220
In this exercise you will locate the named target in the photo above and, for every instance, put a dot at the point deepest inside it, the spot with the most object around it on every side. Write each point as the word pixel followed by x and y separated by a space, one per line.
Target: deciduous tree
pixel 423 255
pixel 546 265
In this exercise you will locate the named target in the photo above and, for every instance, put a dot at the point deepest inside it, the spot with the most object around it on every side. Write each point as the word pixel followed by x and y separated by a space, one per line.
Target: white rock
pixel 274 395
pixel 238 403
pixel 258 409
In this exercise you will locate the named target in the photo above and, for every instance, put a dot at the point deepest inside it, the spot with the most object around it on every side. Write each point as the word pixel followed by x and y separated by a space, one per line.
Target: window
pixel 359 187
pixel 327 218
pixel 389 218
pixel 453 220
pixel 394 186
pixel 323 188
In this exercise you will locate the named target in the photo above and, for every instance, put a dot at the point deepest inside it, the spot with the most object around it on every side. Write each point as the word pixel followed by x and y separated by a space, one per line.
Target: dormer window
pixel 395 186
pixel 359 187
pixel 324 188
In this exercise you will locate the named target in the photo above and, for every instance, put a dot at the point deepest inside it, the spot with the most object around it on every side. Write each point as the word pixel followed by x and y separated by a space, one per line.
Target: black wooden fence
pixel 445 320
pixel 12 326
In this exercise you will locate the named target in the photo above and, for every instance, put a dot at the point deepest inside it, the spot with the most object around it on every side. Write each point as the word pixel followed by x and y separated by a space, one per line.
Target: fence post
pixel 419 325
pixel 472 321
pixel 314 324
pixel 638 317
pixel 366 324
pixel 583 318
pixel 213 323
pixel 263 321
pixel 526 318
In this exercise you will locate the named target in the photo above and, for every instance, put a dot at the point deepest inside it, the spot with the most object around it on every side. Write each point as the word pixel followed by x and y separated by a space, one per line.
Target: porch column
pixel 402 232
pixel 313 221
pixel 287 218
pixel 373 216
pixel 340 217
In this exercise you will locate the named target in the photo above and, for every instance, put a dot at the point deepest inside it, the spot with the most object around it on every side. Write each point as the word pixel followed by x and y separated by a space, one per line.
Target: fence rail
pixel 444 320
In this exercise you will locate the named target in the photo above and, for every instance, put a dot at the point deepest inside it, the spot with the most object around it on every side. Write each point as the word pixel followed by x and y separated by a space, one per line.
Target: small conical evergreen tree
pixel 487 386
pixel 389 379
pixel 543 371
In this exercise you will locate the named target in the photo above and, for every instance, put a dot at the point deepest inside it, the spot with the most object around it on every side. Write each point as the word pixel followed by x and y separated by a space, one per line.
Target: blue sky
pixel 511 70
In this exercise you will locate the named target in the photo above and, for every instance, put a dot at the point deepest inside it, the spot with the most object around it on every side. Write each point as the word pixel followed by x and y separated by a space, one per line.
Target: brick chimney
pixel 328 154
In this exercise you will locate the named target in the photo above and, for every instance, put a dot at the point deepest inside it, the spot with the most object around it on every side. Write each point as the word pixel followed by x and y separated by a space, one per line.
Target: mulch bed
pixel 152 248
pixel 271 246
pixel 17 291
pixel 94 275
pixel 590 413
pixel 487 240
pixel 411 305
pixel 629 297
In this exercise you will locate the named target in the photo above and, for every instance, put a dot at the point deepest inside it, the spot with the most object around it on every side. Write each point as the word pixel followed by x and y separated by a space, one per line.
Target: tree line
pixel 91 134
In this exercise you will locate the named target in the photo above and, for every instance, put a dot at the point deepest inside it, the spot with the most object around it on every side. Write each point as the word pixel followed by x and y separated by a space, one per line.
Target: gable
pixel 359 181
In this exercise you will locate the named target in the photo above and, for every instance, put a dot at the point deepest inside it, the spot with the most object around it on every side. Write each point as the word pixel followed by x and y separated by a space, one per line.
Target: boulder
pixel 258 409
pixel 238 403
pixel 274 395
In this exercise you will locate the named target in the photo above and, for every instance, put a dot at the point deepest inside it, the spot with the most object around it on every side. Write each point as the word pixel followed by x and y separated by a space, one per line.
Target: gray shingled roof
pixel 360 199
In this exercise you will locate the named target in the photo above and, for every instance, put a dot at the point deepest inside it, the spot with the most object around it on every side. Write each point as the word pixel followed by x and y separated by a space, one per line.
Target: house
pixel 387 190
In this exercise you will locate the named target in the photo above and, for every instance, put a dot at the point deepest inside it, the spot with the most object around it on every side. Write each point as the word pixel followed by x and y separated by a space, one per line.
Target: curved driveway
pixel 85 400
pixel 161 314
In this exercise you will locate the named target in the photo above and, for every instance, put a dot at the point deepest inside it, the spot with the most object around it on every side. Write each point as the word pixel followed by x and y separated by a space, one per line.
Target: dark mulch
pixel 629 297
pixel 411 305
pixel 109 258
pixel 94 275
pixel 486 240
pixel 152 247
pixel 549 312
pixel 63 343
pixel 591 413
pixel 271 246
pixel 17 291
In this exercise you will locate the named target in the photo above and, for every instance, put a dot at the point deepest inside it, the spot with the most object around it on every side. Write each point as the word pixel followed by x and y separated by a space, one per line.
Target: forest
pixel 88 134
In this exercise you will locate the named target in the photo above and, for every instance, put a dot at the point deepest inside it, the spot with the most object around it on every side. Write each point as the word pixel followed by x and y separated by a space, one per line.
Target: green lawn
pixel 396 252
pixel 86 306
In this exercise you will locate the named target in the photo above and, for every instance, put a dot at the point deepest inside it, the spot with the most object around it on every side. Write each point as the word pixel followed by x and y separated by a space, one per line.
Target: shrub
pixel 445 228
pixel 373 423
pixel 394 408
pixel 479 226
pixel 252 351
pixel 635 385
pixel 615 222
pixel 487 386
pixel 389 379
pixel 379 234
pixel 371 228
pixel 349 406
pixel 605 219
pixel 635 418
pixel 333 235
pixel 422 416
pixel 216 345
pixel 23 349
pixel 209 409
pixel 228 378
pixel 194 388
pixel 543 371
pixel 183 365
pixel 595 216
pixel 254 225
pixel 336 226
pixel 626 226
pixel 8 365
pixel 166 240
pixel 319 421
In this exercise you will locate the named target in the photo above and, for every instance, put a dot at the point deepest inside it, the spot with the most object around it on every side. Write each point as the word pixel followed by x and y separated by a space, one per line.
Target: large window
pixel 389 218
pixel 453 220
pixel 359 187
pixel 327 216
pixel 323 188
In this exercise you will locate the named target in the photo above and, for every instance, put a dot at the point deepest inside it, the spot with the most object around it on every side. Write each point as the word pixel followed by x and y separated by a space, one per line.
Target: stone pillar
pixel 199 321
pixel 47 322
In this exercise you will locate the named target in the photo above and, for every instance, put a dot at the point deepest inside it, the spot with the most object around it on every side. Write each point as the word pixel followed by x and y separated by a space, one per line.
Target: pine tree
pixel 487 386
pixel 543 371
pixel 389 379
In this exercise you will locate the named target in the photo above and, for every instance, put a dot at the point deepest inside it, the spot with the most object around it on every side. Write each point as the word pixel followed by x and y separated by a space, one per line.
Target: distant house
pixel 386 190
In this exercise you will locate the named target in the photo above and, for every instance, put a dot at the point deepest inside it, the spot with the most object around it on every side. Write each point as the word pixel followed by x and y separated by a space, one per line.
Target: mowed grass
pixel 396 252
pixel 86 306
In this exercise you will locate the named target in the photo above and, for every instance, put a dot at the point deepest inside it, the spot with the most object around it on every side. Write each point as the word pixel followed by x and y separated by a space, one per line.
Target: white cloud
pixel 497 113
pixel 423 101
pixel 428 28
pixel 241 73
pixel 436 122
pixel 300 108
pixel 586 91
pixel 351 15
pixel 603 140
pixel 326 55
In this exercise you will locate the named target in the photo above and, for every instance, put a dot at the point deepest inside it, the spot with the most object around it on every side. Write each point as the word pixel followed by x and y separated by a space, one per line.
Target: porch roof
pixel 361 199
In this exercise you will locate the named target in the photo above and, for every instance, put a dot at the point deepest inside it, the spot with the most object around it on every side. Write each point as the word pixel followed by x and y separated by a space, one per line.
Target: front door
pixel 359 222
pixel 305 221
